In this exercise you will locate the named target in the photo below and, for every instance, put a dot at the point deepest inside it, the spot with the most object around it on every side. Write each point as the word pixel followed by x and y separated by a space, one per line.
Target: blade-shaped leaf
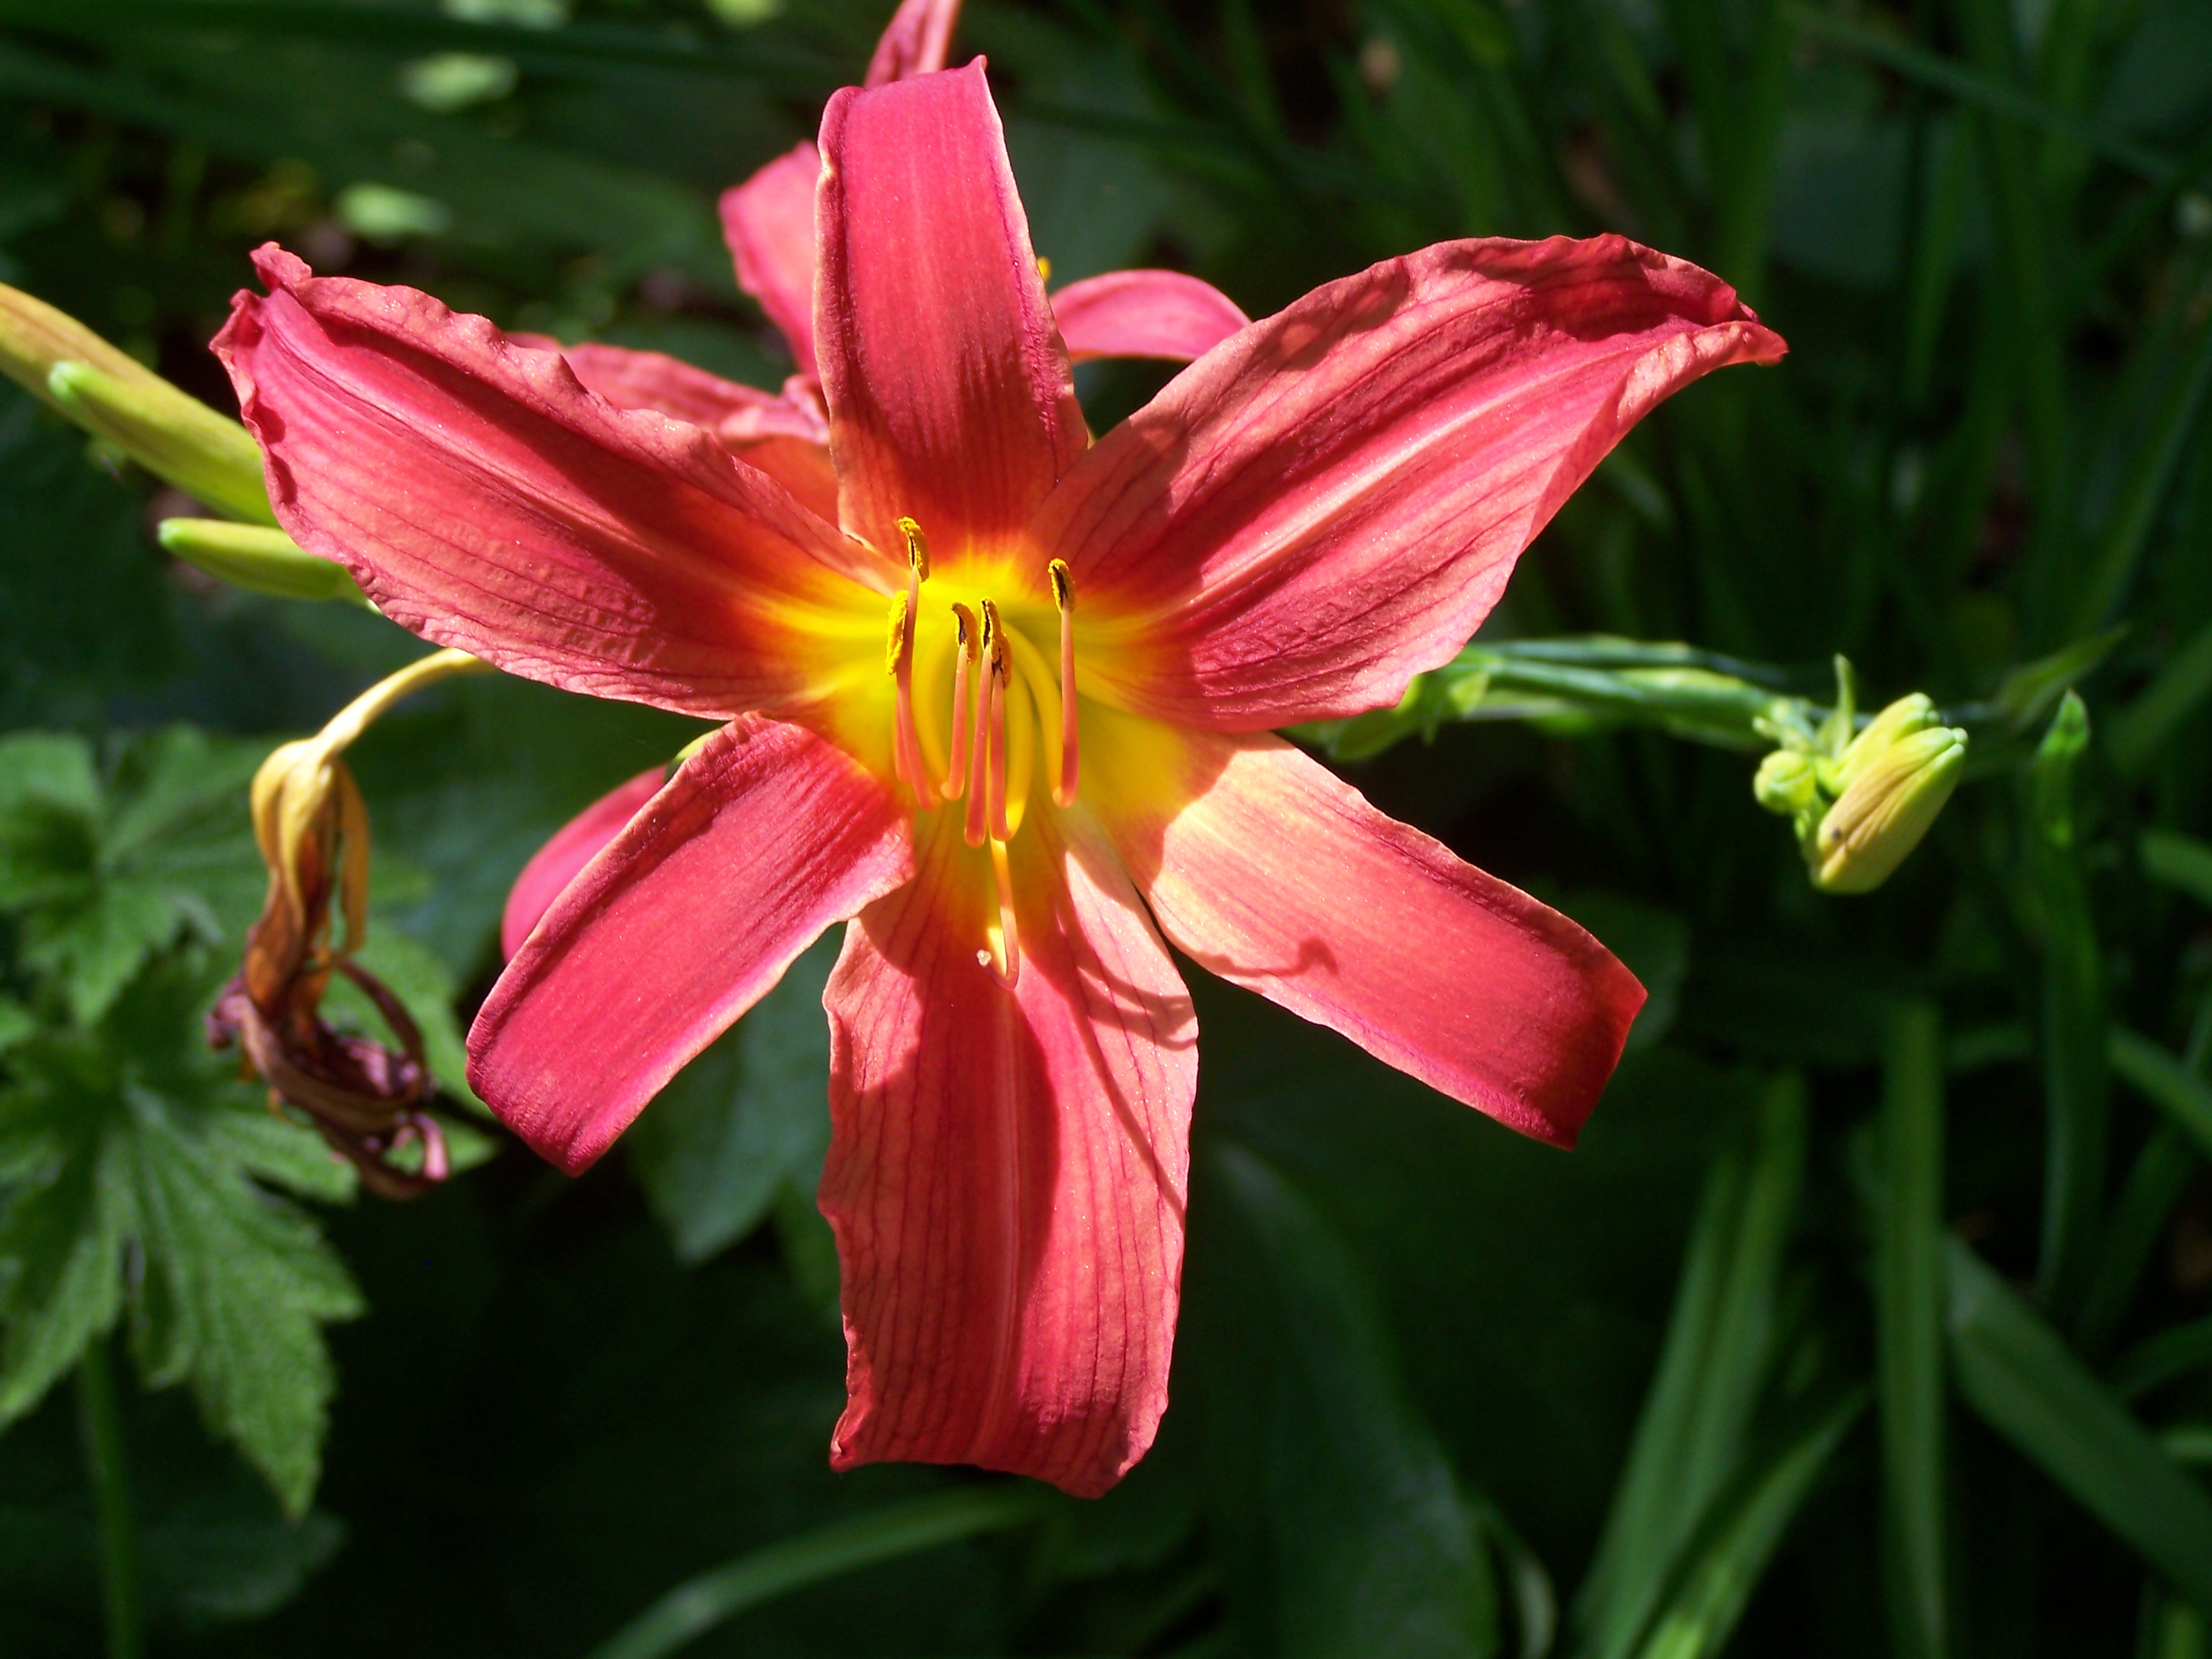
pixel 1909 1322
pixel 2024 1382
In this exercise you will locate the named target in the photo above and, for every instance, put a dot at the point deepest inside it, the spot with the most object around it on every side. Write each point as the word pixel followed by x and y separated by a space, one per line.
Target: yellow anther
pixel 917 548
pixel 963 621
pixel 1044 269
pixel 1063 584
pixel 994 648
pixel 895 635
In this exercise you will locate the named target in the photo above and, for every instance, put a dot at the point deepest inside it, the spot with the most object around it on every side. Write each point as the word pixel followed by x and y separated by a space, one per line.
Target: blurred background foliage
pixel 1875 1312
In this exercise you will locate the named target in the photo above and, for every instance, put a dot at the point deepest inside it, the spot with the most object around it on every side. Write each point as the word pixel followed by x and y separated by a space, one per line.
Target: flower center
pixel 979 706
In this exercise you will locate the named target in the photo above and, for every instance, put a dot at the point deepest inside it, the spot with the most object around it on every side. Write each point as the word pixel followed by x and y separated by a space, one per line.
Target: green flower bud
pixel 174 436
pixel 115 397
pixel 1893 794
pixel 1787 784
pixel 1858 812
pixel 262 560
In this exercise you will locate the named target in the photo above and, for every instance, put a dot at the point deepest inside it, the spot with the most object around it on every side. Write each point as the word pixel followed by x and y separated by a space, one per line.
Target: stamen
pixel 964 652
pixel 917 552
pixel 1044 269
pixel 1007 968
pixel 905 744
pixel 979 751
pixel 1063 595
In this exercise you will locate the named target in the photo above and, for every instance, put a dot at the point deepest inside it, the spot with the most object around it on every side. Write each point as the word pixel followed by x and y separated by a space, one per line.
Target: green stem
pixel 110 1488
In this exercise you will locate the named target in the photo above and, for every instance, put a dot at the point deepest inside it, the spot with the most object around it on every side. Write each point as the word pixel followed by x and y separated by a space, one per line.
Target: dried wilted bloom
pixel 313 828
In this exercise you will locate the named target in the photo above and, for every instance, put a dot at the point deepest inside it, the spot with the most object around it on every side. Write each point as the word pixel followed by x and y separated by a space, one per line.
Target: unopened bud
pixel 256 558
pixel 113 396
pixel 1859 813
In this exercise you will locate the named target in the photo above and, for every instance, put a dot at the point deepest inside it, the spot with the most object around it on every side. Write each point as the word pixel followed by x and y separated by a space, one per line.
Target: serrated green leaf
pixel 105 878
pixel 238 1286
pixel 2027 1385
pixel 746 1117
pixel 65 1222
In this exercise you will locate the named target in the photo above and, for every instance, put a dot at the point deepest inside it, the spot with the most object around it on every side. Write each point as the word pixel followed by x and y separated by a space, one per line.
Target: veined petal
pixel 670 386
pixel 682 922
pixel 951 399
pixel 485 500
pixel 1144 313
pixel 568 849
pixel 1266 870
pixel 1007 1170
pixel 914 41
pixel 1332 501
pixel 768 222
pixel 783 434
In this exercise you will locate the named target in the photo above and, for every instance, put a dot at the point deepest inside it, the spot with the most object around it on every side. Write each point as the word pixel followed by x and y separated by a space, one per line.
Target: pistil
pixel 979 749
pixel 1005 962
pixel 1063 596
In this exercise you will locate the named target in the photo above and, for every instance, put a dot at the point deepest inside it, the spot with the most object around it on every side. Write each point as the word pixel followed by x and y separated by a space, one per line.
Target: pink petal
pixel 682 922
pixel 654 381
pixel 768 222
pixel 1007 1171
pixel 914 41
pixel 1265 869
pixel 951 401
pixel 485 500
pixel 1330 503
pixel 571 847
pixel 785 435
pixel 1144 313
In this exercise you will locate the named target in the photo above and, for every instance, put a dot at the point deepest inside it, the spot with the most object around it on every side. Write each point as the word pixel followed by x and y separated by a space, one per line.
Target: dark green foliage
pixel 1756 1369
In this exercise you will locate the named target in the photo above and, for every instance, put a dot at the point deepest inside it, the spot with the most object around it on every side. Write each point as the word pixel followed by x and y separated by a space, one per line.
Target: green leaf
pixel 746 1117
pixel 697 1605
pixel 133 1144
pixel 2182 862
pixel 2076 1084
pixel 415 974
pixel 103 878
pixel 1343 1528
pixel 2157 1360
pixel 1695 1429
pixel 2162 1078
pixel 1909 1322
pixel 1733 1547
pixel 2027 1385
pixel 2184 681
pixel 66 1219
pixel 237 1288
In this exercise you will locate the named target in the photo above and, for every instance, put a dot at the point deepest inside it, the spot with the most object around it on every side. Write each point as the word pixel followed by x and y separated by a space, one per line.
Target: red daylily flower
pixel 1009 718
pixel 768 222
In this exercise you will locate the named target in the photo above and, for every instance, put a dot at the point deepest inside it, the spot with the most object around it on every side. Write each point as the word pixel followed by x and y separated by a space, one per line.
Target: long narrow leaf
pixel 1691 1438
pixel 2162 1079
pixel 1909 1322
pixel 1702 1614
pixel 2180 861
pixel 2029 1386
pixel 2076 1086
pixel 697 1605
